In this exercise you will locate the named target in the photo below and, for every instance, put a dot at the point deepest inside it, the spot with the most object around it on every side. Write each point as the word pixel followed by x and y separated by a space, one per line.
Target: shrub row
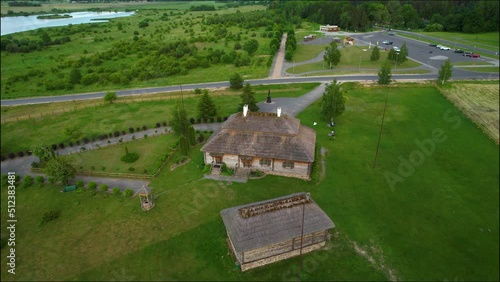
pixel 84 140
pixel 207 120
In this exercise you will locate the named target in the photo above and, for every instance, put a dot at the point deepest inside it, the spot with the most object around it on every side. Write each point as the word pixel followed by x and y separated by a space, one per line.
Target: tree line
pixel 446 15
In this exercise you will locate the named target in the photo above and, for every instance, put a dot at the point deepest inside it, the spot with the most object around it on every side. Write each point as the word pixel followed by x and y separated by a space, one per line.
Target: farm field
pixel 153 47
pixel 479 101
pixel 94 117
pixel 439 222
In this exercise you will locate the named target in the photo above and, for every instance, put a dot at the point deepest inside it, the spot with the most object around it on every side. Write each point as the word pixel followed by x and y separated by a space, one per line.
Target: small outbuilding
pixel 268 231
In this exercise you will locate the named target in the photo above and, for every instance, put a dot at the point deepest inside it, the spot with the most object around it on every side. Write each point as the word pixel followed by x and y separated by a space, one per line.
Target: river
pixel 17 24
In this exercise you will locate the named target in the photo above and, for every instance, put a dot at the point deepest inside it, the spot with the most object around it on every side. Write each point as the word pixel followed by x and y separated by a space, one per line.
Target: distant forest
pixel 449 15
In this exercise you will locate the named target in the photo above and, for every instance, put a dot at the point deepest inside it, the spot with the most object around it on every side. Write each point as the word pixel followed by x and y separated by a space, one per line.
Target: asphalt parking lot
pixel 417 50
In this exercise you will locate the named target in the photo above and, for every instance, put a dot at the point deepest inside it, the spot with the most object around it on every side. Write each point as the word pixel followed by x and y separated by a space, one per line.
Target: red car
pixel 475 55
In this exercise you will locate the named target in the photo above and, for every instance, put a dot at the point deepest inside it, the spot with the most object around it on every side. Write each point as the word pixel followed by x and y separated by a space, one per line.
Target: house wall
pixel 284 247
pixel 316 241
pixel 300 169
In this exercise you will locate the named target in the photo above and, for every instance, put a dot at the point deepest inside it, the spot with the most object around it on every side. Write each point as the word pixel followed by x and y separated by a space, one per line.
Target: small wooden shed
pixel 265 232
pixel 145 197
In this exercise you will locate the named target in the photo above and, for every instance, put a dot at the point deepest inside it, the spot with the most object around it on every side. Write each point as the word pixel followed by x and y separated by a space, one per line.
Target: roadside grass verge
pixel 482 69
pixel 486 40
pixel 307 52
pixel 353 57
pixel 468 43
pixel 440 223
pixel 107 118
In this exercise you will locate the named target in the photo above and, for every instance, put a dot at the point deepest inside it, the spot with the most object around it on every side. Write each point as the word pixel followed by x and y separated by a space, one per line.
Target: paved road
pixel 457 74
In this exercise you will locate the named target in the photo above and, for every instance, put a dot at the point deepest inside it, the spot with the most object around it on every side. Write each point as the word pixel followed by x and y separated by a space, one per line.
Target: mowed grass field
pixel 440 221
pixel 95 117
pixel 353 57
pixel 479 101
pixel 150 151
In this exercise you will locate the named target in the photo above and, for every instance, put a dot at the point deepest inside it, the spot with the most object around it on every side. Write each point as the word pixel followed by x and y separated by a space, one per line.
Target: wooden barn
pixel 271 142
pixel 265 232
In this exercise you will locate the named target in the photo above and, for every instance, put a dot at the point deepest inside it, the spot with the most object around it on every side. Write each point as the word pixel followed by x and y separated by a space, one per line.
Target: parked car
pixel 396 49
pixel 473 55
pixel 458 51
pixel 445 48
pixel 387 42
pixel 467 53
pixel 433 45
pixel 439 46
pixel 391 33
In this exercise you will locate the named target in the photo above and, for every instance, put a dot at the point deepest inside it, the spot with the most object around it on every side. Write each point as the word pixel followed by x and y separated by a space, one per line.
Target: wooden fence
pixel 117 174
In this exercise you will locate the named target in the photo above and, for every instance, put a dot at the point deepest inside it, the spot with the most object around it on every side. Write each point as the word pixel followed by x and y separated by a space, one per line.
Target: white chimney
pixel 279 111
pixel 245 110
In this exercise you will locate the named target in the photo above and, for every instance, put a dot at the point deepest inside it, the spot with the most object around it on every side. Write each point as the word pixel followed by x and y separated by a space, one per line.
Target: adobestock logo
pixel 424 149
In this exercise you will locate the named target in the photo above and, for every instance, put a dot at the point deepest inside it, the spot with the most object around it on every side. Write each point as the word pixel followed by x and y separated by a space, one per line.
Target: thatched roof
pixel 264 135
pixel 273 221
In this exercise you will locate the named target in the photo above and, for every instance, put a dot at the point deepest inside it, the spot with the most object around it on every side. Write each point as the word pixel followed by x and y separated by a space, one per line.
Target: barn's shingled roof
pixel 272 221
pixel 263 135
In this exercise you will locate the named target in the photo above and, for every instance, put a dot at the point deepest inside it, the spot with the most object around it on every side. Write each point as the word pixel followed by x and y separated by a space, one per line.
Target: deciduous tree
pixel 333 101
pixel 332 55
pixel 236 81
pixel 110 97
pixel 375 56
pixel 445 72
pixel 384 75
pixel 61 169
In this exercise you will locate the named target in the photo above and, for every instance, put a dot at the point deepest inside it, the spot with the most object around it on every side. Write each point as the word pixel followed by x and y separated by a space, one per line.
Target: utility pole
pixel 184 121
pixel 301 240
pixel 380 133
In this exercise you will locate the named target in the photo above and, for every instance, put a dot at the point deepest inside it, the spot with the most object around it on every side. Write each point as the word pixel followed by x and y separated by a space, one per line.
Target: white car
pixel 444 48
pixel 439 46
pixel 396 49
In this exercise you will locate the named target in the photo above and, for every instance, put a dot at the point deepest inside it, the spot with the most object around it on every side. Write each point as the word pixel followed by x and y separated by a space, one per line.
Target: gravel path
pixel 280 58
pixel 22 166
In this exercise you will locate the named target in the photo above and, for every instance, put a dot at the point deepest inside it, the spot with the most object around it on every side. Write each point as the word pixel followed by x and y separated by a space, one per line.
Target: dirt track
pixel 280 57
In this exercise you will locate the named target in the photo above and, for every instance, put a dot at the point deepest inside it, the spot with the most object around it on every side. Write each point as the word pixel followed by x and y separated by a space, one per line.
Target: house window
pixel 265 162
pixel 287 164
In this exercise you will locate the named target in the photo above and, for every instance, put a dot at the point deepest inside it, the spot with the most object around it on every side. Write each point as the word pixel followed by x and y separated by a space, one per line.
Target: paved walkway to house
pixel 22 166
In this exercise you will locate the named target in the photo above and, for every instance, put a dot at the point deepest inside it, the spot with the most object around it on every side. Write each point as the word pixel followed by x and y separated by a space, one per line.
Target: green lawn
pixel 150 151
pixel 364 72
pixel 487 41
pixel 107 118
pixel 352 58
pixel 307 52
pixel 440 222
